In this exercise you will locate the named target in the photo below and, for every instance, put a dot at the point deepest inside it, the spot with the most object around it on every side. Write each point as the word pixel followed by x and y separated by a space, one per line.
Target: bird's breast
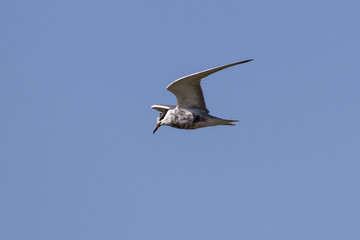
pixel 185 119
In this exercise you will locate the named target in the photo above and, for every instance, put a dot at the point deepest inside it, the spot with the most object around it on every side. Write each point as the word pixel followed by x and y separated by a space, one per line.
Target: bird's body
pixel 190 111
pixel 192 118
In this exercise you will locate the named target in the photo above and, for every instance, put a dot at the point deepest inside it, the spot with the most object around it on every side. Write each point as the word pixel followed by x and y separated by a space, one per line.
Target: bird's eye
pixel 162 115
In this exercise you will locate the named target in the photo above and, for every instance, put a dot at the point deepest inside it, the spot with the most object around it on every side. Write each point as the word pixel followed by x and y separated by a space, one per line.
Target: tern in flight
pixel 190 111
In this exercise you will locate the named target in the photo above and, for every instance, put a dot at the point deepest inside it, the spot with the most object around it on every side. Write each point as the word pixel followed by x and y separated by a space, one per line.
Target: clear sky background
pixel 78 159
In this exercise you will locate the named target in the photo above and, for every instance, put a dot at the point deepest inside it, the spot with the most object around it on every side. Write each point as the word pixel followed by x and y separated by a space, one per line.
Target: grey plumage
pixel 190 111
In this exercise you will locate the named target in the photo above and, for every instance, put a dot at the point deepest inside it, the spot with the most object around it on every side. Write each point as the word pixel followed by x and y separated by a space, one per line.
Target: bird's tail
pixel 220 121
pixel 228 122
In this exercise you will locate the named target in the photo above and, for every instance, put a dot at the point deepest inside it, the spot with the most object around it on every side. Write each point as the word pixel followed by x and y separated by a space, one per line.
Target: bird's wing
pixel 188 90
pixel 161 108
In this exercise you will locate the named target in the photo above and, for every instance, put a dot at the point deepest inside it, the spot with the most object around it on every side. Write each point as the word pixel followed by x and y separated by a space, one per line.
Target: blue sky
pixel 78 158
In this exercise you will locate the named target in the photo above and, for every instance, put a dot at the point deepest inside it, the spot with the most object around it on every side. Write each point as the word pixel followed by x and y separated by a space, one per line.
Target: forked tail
pixel 220 121
pixel 229 122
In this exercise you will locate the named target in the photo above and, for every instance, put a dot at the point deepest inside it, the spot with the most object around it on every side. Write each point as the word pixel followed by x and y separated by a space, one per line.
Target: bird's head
pixel 160 120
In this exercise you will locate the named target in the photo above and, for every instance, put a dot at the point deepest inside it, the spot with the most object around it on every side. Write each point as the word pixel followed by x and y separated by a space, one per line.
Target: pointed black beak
pixel 156 128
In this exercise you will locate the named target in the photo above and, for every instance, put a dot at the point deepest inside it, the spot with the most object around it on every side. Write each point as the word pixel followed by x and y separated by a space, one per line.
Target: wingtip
pixel 241 62
pixel 249 60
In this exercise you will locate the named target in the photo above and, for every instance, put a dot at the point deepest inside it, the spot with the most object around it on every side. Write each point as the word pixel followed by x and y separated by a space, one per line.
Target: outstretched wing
pixel 188 90
pixel 161 108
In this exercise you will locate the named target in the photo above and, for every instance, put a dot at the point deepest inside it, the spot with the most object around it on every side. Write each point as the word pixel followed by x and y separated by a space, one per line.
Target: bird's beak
pixel 156 128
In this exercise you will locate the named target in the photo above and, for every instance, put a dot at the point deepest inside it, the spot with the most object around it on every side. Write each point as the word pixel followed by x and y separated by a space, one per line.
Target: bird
pixel 190 111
